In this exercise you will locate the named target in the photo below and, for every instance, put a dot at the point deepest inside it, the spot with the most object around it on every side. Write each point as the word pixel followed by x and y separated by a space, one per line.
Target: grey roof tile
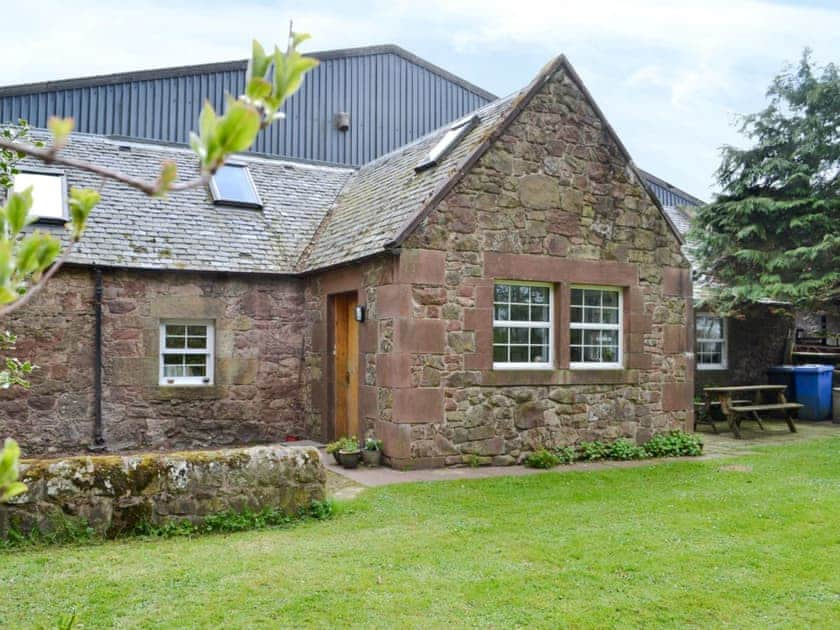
pixel 186 230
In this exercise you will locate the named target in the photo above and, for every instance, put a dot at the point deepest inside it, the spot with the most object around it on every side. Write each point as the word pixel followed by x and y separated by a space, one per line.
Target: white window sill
pixel 596 366
pixel 523 366
pixel 186 382
pixel 711 366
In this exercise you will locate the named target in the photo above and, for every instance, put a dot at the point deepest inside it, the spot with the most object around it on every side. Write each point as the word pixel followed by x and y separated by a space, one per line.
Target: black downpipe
pixel 98 438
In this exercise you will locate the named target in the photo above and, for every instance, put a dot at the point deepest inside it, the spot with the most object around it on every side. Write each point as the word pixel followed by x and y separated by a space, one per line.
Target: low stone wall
pixel 116 493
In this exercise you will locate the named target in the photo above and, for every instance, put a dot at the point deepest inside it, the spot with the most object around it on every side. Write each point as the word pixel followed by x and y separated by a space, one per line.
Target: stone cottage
pixel 503 283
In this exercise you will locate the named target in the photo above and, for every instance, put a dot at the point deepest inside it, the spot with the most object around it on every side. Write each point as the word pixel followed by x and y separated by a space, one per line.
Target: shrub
pixel 372 444
pixel 623 449
pixel 541 459
pixel 591 451
pixel 565 454
pixel 673 444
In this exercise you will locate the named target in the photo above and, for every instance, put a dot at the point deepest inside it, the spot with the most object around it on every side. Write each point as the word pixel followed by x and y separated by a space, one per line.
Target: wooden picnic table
pixel 736 404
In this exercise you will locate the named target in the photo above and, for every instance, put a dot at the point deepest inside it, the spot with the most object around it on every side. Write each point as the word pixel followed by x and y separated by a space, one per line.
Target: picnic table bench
pixel 736 410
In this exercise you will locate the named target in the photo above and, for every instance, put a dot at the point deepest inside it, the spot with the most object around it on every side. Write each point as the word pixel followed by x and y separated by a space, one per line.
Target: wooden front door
pixel 345 372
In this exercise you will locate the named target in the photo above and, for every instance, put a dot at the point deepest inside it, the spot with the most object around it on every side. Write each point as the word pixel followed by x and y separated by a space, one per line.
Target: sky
pixel 670 76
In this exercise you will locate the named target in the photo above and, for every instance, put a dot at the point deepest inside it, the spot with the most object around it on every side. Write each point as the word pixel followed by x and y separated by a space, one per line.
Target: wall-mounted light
pixel 341 120
pixel 360 313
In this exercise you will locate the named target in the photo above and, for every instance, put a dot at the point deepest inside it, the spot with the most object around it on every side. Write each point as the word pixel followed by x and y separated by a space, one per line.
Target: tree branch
pixel 38 286
pixel 50 156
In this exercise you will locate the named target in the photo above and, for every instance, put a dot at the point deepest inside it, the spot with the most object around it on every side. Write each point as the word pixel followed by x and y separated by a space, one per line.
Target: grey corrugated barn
pixel 391 95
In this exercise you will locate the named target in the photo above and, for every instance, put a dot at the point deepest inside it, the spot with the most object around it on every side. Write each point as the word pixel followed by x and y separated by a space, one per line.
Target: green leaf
pixel 259 62
pixel 238 128
pixel 168 175
pixel 61 128
pixel 12 490
pixel 258 89
pixel 82 202
pixel 16 212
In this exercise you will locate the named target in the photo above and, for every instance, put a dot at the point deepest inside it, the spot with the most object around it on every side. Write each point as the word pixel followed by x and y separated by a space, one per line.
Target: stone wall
pixel 115 494
pixel 255 397
pixel 553 200
pixel 756 341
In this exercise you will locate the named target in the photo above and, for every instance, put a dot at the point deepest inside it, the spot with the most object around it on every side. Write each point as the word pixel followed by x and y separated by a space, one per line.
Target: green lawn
pixel 753 542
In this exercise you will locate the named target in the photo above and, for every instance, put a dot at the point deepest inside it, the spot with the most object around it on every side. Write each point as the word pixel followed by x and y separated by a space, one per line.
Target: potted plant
pixel 372 452
pixel 350 452
pixel 333 448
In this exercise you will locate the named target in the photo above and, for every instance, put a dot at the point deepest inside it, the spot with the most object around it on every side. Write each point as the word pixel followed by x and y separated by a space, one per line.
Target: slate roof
pixel 186 230
pixel 385 194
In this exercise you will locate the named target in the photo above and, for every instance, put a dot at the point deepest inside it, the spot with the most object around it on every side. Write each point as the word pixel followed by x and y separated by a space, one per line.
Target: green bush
pixel 623 449
pixel 541 459
pixel 673 444
pixel 565 454
pixel 591 451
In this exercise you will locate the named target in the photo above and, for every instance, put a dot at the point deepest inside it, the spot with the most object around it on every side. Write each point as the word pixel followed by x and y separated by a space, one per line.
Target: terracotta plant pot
pixel 349 459
pixel 372 458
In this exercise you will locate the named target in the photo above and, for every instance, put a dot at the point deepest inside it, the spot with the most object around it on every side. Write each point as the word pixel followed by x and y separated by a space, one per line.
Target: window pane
pixel 519 313
pixel 197 343
pixel 709 327
pixel 577 315
pixel 175 343
pixel 520 293
pixel 500 335
pixel 502 293
pixel 591 354
pixel 577 354
pixel 577 296
pixel 576 336
pixel 539 336
pixel 592 315
pixel 610 315
pixel 519 335
pixel 195 359
pixel 233 184
pixel 502 313
pixel 171 371
pixel 539 295
pixel 609 354
pixel 197 331
pixel 539 354
pixel 176 329
pixel 519 354
pixel 539 313
pixel 500 354
pixel 592 298
pixel 173 359
pixel 47 193
pixel 610 298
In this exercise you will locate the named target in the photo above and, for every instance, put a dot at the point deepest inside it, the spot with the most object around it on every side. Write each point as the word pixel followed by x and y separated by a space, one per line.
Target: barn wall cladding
pixel 392 98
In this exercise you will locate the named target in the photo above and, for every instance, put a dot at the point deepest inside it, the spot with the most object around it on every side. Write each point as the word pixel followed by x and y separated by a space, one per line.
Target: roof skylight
pixel 451 138
pixel 232 185
pixel 48 193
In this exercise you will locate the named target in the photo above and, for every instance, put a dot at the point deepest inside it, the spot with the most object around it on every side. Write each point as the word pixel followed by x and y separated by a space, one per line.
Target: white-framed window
pixel 186 352
pixel 710 344
pixel 595 327
pixel 232 185
pixel 49 193
pixel 523 315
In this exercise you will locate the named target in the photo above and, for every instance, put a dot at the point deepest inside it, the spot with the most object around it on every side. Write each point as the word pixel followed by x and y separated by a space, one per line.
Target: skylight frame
pixel 450 140
pixel 220 201
pixel 46 172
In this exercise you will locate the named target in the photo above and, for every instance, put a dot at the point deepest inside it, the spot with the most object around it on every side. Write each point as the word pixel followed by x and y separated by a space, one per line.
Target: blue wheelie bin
pixel 812 385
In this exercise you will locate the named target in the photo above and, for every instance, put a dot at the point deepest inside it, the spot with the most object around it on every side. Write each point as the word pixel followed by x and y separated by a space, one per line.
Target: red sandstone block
pixel 393 300
pixel 677 396
pixel 676 281
pixel 368 336
pixel 478 318
pixel 638 361
pixel 422 266
pixel 393 370
pixel 478 361
pixel 638 323
pixel 674 339
pixel 418 405
pixel 396 439
pixel 420 335
pixel 368 402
